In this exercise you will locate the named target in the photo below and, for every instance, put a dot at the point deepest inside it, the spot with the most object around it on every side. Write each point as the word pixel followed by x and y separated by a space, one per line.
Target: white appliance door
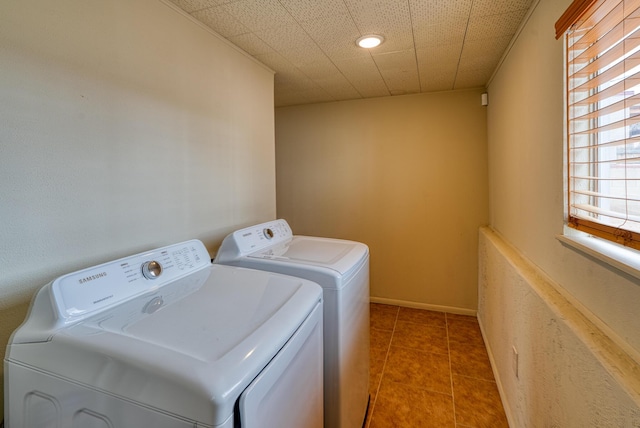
pixel 288 392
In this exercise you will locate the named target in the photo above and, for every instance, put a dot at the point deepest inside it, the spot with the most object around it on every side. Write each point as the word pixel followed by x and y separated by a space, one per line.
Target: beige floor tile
pixel 418 368
pixel 420 336
pixel 382 317
pixel 403 406
pixel 477 403
pixel 421 316
pixel 379 341
pixel 470 360
pixel 465 332
pixel 378 354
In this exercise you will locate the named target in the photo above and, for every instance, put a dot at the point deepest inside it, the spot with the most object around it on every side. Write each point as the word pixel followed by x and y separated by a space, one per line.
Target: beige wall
pixel 405 175
pixel 525 134
pixel 125 126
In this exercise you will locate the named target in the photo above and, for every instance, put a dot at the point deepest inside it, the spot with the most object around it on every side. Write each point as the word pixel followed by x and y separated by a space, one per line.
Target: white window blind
pixel 603 112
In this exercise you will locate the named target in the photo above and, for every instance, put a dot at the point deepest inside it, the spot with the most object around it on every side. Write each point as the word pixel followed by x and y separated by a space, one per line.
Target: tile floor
pixel 430 369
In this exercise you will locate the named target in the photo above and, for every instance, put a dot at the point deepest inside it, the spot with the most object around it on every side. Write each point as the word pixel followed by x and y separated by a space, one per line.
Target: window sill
pixel 622 258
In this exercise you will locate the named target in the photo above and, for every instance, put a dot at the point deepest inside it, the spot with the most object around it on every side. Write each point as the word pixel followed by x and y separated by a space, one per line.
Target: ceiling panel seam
pixel 415 49
pixel 464 38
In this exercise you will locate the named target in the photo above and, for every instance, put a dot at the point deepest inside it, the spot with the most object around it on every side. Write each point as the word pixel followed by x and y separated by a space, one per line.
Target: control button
pixel 268 233
pixel 151 269
pixel 153 305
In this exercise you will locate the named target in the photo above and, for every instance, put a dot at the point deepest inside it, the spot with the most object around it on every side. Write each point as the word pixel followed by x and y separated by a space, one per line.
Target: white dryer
pixel 342 269
pixel 165 339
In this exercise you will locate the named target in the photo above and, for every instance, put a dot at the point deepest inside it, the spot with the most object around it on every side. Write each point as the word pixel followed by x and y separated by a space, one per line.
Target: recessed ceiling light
pixel 370 41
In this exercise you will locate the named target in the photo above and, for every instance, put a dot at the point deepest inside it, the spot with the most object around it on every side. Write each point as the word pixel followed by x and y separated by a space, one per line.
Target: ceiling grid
pixel 430 45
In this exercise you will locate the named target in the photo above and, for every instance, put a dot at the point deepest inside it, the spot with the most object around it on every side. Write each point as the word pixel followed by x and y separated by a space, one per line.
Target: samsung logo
pixel 92 277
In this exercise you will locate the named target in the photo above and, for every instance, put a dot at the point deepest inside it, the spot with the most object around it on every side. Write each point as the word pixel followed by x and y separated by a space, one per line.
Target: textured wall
pixel 405 175
pixel 125 126
pixel 570 374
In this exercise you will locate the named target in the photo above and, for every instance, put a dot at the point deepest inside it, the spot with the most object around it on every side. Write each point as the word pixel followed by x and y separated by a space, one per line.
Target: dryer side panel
pixel 39 400
pixel 288 392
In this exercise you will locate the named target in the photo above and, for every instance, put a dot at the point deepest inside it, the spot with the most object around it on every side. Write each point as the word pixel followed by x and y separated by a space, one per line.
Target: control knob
pixel 151 269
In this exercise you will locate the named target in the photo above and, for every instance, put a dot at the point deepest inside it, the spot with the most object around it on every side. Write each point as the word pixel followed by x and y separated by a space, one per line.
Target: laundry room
pixel 129 125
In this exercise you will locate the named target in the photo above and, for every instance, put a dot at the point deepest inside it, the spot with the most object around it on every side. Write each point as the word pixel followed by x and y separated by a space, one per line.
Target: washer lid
pixel 336 254
pixel 206 321
pixel 188 348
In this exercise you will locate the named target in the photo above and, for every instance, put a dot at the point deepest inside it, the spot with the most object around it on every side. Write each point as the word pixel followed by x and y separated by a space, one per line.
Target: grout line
pixel 453 394
pixel 384 364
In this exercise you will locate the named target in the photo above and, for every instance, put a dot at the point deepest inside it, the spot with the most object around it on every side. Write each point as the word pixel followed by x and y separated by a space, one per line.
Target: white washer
pixel 165 339
pixel 342 269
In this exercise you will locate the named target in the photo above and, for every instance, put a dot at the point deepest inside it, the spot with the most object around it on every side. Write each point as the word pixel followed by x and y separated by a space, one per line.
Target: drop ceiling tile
pixel 275 61
pixel 439 35
pixel 335 35
pixel 251 44
pixel 505 24
pixel 431 56
pixel 362 67
pixel 472 78
pixel 293 43
pixel 443 12
pixel 337 84
pixel 439 22
pixel 304 10
pixel 485 53
pixel 437 67
pixel 402 83
pixel 404 61
pixel 437 82
pixel 285 37
pixel 390 18
pixel 373 89
pixel 319 69
pixel 399 71
pixel 338 87
pixel 316 95
pixel 300 57
pixel 494 7
pixel 195 5
pixel 364 75
pixel 259 14
pixel 220 21
pixel 394 12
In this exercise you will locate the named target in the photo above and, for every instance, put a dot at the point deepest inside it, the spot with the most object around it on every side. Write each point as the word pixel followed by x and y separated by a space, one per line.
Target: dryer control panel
pixel 255 238
pixel 87 291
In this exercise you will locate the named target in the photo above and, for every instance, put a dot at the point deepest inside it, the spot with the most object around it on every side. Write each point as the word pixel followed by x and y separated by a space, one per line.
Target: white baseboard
pixel 416 305
pixel 496 376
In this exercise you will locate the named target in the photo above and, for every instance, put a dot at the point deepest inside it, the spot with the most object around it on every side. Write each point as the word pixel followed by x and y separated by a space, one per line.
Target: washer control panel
pixel 261 236
pixel 87 291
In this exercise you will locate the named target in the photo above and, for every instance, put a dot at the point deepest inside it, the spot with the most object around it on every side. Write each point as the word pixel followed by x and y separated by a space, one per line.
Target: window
pixel 603 117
